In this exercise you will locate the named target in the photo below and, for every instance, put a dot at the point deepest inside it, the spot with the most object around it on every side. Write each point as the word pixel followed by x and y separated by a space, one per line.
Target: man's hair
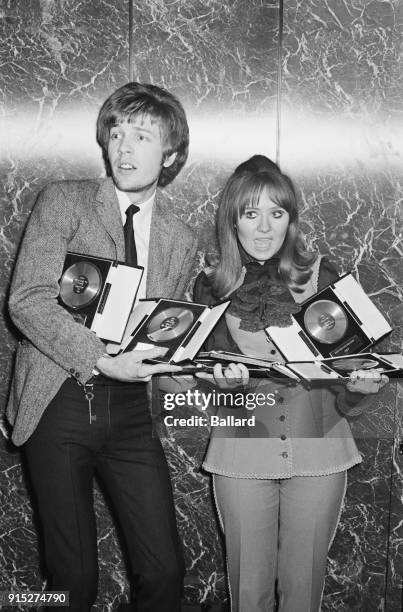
pixel 135 99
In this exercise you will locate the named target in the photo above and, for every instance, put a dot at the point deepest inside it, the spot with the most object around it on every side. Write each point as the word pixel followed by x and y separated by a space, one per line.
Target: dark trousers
pixel 63 453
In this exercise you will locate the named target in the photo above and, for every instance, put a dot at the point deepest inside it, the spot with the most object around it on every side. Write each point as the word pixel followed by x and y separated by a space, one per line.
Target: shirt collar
pixel 124 202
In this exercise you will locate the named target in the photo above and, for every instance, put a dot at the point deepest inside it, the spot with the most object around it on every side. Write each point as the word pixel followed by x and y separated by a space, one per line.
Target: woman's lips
pixel 262 243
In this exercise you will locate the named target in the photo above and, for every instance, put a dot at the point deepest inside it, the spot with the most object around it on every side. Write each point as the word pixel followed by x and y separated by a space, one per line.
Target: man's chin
pixel 130 185
pixel 126 184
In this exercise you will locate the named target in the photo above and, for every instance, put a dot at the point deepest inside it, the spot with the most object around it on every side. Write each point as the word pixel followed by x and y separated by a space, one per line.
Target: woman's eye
pixel 250 214
pixel 114 135
pixel 277 214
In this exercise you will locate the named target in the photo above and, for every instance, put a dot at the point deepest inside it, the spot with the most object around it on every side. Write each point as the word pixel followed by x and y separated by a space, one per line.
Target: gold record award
pixel 169 324
pixel 325 321
pixel 80 284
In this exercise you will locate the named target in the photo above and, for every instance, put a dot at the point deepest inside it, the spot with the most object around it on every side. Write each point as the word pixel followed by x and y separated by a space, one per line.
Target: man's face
pixel 135 155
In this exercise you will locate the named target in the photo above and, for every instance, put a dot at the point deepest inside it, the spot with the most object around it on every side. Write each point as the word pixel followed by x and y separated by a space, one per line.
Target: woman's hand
pixel 366 381
pixel 231 376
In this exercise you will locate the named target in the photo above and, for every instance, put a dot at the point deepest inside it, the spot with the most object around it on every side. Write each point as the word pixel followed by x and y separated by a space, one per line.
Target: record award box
pixel 338 320
pixel 99 293
pixel 181 327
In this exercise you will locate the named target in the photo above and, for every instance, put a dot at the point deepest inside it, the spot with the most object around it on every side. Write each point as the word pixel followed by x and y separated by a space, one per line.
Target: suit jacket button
pixel 77 374
pixel 285 455
pixel 72 371
pixel 282 417
pixel 283 437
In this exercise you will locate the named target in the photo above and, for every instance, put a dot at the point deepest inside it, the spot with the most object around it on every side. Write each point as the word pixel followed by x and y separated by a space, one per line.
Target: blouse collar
pixel 248 259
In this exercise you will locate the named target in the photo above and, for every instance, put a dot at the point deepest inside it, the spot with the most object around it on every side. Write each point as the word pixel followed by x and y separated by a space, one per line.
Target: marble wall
pixel 341 130
pixel 324 92
pixel 61 58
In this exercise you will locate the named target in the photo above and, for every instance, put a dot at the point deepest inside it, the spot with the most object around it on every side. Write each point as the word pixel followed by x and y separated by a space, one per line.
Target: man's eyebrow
pixel 139 128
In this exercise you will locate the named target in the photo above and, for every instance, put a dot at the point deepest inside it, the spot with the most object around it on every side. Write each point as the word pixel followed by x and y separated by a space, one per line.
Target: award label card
pixel 181 327
pixel 338 320
pixel 333 368
pixel 99 293
pixel 258 367
pixel 228 357
pixel 341 367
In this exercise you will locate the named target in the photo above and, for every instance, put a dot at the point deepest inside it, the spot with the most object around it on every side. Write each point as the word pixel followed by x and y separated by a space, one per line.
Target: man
pixel 75 408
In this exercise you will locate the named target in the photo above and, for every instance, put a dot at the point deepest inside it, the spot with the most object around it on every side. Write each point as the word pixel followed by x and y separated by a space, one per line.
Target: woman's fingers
pixel 233 374
pixel 367 381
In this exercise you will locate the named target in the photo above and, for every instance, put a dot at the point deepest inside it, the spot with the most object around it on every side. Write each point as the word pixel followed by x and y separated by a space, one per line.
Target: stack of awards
pixel 336 322
pixel 326 340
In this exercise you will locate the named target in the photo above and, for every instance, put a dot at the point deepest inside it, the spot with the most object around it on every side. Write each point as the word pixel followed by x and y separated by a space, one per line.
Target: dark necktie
pixel 130 244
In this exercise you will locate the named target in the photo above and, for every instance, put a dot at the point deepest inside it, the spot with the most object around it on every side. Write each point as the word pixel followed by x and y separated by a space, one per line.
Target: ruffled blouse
pixel 263 299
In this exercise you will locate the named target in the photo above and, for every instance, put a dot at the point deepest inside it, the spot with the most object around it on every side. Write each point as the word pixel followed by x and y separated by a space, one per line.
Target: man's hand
pixel 366 381
pixel 129 366
pixel 233 375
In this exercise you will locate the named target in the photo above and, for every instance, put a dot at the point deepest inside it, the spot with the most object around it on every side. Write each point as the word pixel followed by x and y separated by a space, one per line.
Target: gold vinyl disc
pixel 353 363
pixel 169 324
pixel 325 321
pixel 80 284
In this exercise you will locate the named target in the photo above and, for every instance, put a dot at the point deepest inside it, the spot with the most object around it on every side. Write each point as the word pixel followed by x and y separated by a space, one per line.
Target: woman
pixel 279 483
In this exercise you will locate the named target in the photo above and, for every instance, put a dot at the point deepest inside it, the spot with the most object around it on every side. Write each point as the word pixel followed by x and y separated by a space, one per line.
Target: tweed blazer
pixel 84 217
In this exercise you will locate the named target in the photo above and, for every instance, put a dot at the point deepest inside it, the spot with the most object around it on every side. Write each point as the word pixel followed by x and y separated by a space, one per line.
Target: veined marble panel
pixel 214 55
pixel 63 59
pixel 394 592
pixel 59 61
pixel 341 141
pixel 352 215
pixel 221 60
pixel 357 564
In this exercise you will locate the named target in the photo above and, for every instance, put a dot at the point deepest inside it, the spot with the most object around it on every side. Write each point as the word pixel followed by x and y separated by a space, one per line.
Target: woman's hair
pixel 257 163
pixel 244 188
pixel 134 99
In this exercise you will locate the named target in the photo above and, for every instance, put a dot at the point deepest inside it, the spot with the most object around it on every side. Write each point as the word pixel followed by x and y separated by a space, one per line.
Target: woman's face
pixel 261 230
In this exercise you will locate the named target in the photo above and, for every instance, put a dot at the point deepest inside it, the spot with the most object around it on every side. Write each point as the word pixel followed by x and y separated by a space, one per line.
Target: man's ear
pixel 169 160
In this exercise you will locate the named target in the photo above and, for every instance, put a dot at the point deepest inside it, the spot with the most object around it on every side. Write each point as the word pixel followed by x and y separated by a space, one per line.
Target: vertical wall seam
pixel 131 46
pixel 279 78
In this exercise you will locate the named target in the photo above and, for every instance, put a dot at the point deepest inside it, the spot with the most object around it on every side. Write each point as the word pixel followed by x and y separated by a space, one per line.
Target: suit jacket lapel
pixel 167 250
pixel 107 206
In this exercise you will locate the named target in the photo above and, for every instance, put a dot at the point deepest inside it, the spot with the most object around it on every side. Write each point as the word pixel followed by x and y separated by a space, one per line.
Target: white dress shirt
pixel 141 227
